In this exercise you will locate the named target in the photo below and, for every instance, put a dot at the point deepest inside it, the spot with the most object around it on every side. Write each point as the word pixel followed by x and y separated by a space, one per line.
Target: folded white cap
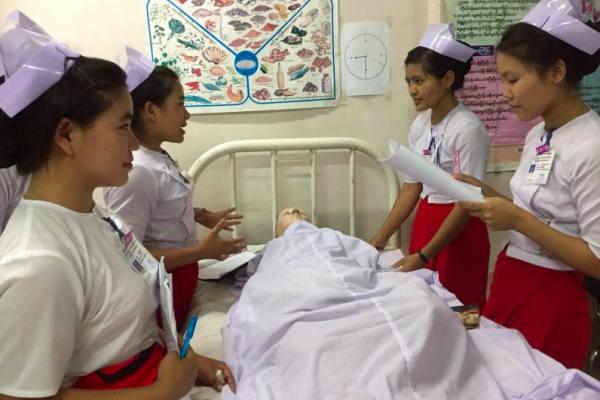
pixel 563 20
pixel 33 62
pixel 441 38
pixel 137 66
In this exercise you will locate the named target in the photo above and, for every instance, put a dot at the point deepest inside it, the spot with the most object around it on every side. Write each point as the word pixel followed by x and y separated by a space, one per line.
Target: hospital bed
pixel 517 371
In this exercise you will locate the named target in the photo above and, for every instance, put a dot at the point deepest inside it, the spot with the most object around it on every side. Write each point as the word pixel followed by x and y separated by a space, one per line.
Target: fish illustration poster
pixel 481 24
pixel 248 55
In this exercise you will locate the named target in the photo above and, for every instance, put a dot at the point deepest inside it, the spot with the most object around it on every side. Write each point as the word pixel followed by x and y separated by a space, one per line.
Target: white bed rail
pixel 274 146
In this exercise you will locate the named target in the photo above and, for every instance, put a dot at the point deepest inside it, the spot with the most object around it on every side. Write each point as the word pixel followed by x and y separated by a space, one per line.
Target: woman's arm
pixel 405 203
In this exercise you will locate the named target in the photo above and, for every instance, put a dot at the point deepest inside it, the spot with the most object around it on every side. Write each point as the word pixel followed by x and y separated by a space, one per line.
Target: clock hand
pixel 375 61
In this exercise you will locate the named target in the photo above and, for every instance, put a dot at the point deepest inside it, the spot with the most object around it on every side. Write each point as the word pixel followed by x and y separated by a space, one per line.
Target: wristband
pixel 422 257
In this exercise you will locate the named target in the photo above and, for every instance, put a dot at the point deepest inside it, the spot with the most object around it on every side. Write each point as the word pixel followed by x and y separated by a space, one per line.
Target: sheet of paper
pixel 416 166
pixel 166 307
pixel 387 258
pixel 218 269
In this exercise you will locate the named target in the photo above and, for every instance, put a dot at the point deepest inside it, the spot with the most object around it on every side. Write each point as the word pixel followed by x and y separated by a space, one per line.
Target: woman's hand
pixel 212 246
pixel 176 377
pixel 409 263
pixel 208 374
pixel 379 242
pixel 210 219
pixel 498 213
pixel 486 190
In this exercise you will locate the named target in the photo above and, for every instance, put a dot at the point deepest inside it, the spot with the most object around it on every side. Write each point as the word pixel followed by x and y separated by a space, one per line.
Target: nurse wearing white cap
pixel 554 217
pixel 157 202
pixel 444 238
pixel 77 303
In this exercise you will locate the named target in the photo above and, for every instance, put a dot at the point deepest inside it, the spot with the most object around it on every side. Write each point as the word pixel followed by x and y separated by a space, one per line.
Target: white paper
pixel 417 167
pixel 217 269
pixel 387 258
pixel 365 63
pixel 166 308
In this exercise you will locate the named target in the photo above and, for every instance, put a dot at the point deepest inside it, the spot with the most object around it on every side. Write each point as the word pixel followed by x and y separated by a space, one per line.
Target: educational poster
pixel 481 24
pixel 248 55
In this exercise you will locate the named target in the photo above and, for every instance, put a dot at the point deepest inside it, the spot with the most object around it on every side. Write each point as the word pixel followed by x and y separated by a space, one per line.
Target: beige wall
pixel 98 28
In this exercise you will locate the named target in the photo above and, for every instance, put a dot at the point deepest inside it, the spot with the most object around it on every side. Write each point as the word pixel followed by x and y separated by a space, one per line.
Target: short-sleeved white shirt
pixel 462 131
pixel 12 187
pixel 156 202
pixel 70 302
pixel 570 201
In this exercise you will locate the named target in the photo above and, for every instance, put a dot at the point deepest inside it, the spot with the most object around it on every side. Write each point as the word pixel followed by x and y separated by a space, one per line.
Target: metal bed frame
pixel 312 145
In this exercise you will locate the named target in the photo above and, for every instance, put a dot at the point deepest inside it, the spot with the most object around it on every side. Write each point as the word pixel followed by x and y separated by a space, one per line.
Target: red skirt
pixel 139 371
pixel 463 264
pixel 548 307
pixel 185 279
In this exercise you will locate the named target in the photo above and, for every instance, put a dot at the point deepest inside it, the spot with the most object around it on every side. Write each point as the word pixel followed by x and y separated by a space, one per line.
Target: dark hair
pixel 541 50
pixel 155 89
pixel 438 65
pixel 85 91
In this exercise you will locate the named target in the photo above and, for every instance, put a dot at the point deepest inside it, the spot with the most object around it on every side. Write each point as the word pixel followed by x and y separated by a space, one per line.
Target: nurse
pixel 12 185
pixel 554 217
pixel 157 201
pixel 78 309
pixel 444 238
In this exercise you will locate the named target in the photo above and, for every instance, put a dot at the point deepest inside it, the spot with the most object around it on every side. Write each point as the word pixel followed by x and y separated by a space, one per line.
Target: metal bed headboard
pixel 274 146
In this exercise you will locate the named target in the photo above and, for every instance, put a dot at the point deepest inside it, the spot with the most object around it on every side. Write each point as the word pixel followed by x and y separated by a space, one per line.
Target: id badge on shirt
pixel 429 155
pixel 140 258
pixel 166 308
pixel 540 167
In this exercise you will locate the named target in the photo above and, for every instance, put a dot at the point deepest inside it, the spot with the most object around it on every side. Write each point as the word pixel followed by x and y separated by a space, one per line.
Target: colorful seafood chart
pixel 246 55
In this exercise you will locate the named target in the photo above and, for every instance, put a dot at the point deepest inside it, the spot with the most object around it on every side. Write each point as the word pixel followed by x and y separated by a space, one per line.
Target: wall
pixel 98 28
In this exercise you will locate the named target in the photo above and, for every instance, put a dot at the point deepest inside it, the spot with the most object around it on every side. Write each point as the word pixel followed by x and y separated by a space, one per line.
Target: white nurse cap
pixel 563 20
pixel 137 66
pixel 441 38
pixel 33 62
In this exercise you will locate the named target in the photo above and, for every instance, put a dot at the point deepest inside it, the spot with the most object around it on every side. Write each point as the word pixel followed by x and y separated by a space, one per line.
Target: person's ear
pixel 64 134
pixel 449 79
pixel 557 73
pixel 150 111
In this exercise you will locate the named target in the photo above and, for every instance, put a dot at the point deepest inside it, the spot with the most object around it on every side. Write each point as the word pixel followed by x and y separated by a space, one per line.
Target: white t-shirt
pixel 70 302
pixel 12 187
pixel 156 202
pixel 570 201
pixel 461 130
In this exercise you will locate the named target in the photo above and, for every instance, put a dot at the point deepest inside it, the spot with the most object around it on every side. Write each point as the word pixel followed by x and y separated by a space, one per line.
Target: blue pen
pixel 188 335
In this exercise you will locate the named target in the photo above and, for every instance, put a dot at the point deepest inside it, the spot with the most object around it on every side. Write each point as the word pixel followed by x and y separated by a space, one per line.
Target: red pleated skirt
pixel 548 307
pixel 463 264
pixel 185 279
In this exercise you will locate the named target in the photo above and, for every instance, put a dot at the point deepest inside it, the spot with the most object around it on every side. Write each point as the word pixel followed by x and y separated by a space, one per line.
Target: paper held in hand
pixel 412 164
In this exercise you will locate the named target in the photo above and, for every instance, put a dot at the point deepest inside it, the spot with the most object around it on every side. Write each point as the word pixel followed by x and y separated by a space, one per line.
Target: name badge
pixel 540 167
pixel 139 257
pixel 427 154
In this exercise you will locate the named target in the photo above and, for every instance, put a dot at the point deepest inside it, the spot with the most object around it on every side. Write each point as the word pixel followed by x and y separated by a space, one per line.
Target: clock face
pixel 365 56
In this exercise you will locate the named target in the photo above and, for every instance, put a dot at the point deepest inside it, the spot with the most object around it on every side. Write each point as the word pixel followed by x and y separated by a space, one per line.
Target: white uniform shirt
pixel 12 187
pixel 70 302
pixel 570 201
pixel 461 130
pixel 156 202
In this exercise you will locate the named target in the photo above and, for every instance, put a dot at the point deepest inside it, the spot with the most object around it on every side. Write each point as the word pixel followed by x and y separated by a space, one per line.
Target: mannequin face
pixel 287 217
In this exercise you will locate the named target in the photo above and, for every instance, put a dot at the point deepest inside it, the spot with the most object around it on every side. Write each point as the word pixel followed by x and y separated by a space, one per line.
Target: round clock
pixel 365 56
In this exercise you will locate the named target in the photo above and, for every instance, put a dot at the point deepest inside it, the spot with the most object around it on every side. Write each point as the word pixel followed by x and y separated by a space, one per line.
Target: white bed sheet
pixel 515 366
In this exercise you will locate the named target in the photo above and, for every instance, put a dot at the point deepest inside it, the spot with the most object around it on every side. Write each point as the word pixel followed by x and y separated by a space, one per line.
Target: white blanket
pixel 319 320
